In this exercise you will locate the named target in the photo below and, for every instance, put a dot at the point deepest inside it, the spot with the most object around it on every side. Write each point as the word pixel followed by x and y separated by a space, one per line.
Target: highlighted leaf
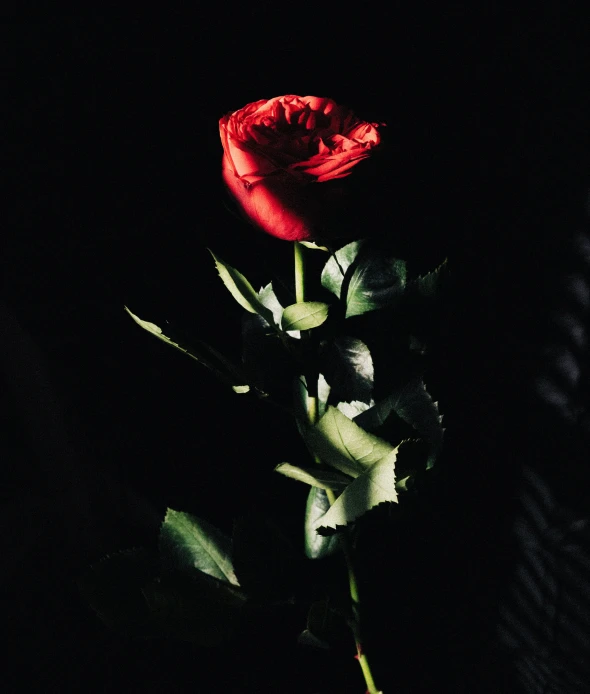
pixel 241 289
pixel 302 400
pixel 304 316
pixel 348 367
pixel 190 542
pixel 323 394
pixel 317 546
pixel 335 269
pixel 342 444
pixel 323 479
pixel 404 484
pixel 353 408
pixel 377 280
pixel 375 486
pixel 314 246
pixel 269 299
pixel 229 373
pixel 414 404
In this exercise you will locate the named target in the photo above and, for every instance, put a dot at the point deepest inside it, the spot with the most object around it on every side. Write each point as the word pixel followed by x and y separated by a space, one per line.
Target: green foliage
pixel 304 316
pixel 301 399
pixel 353 408
pixel 342 444
pixel 373 487
pixel 313 246
pixel 208 356
pixel 335 269
pixel 347 365
pixel 414 405
pixel 323 394
pixel 204 584
pixel 269 299
pixel 429 285
pixel 376 281
pixel 188 542
pixel 315 477
pixel 241 289
pixel 317 546
pixel 339 442
pixel 365 278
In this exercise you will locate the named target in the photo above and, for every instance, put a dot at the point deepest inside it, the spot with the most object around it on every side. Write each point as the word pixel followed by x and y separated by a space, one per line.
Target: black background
pixel 113 194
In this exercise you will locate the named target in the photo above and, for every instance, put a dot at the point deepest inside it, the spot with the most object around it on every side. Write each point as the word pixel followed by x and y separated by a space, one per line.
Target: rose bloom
pixel 276 151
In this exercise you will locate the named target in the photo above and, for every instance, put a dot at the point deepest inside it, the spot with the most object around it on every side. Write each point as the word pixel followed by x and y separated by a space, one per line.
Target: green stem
pixel 354 597
pixel 312 413
pixel 299 273
pixel 312 409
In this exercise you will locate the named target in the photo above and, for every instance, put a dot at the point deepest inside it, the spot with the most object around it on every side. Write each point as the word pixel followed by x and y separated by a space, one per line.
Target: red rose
pixel 275 152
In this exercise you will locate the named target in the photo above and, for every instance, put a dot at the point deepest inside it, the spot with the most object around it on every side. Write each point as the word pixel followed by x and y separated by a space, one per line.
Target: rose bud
pixel 276 151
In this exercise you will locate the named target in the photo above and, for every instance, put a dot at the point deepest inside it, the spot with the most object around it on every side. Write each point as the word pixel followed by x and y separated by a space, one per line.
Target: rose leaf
pixel 335 269
pixel 323 479
pixel 323 394
pixel 302 401
pixel 414 404
pixel 373 487
pixel 314 246
pixel 189 542
pixel 377 280
pixel 353 408
pixel 230 374
pixel 342 444
pixel 269 299
pixel 429 285
pixel 348 367
pixel 317 546
pixel 241 289
pixel 304 316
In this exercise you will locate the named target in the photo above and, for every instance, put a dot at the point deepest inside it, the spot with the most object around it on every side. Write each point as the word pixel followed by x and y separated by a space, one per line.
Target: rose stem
pixel 299 273
pixel 312 412
pixel 354 596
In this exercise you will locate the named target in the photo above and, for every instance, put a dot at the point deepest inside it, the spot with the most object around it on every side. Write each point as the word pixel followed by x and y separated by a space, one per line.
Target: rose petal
pixel 245 160
pixel 334 166
pixel 266 204
pixel 322 104
pixel 365 132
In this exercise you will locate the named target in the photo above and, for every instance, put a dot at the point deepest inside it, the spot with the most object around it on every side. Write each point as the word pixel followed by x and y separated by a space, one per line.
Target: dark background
pixel 113 194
